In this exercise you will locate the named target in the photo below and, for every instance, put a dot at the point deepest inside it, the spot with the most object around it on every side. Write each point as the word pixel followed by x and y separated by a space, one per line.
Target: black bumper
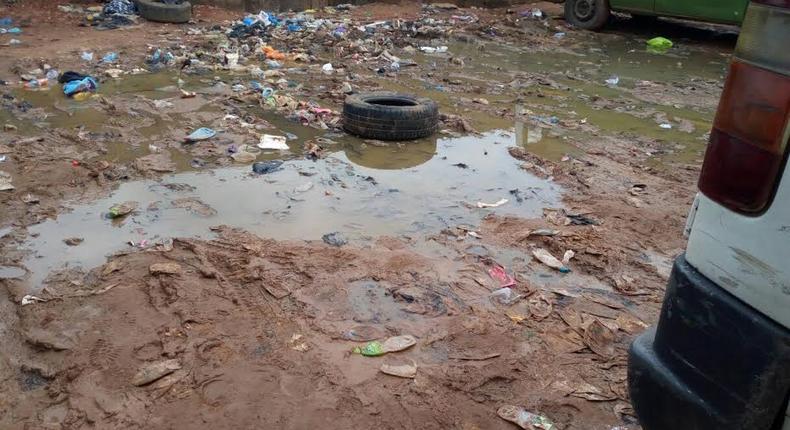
pixel 711 363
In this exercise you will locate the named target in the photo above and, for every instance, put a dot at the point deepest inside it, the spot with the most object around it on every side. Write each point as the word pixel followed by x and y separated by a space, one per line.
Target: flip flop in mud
pixel 393 344
pixel 525 419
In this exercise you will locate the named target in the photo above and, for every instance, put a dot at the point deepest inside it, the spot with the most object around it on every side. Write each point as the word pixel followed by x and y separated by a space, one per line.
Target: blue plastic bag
pixel 202 133
pixel 80 86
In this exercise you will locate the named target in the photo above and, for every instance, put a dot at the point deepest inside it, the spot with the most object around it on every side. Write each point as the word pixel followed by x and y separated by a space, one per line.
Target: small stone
pixel 73 241
pixel 9 127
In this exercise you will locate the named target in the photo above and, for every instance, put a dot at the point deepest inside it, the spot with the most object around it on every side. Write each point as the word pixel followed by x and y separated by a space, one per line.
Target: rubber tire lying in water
pixel 153 10
pixel 390 116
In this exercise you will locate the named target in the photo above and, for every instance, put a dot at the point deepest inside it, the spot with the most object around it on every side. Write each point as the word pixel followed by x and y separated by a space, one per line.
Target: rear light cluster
pixel 748 144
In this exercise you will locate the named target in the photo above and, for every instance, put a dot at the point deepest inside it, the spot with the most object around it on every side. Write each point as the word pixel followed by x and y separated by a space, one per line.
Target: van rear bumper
pixel 712 362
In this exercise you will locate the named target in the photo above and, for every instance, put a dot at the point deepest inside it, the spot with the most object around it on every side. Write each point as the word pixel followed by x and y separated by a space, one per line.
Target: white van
pixel 719 357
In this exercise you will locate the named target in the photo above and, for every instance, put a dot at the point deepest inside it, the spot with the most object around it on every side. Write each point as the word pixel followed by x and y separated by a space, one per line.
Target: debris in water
pixel 203 133
pixel 546 258
pixel 334 239
pixel 264 167
pixel 501 202
pixel 29 300
pixel 269 141
pixel 122 209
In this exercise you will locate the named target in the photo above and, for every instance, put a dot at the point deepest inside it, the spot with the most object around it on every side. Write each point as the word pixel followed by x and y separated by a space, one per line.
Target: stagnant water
pixel 359 190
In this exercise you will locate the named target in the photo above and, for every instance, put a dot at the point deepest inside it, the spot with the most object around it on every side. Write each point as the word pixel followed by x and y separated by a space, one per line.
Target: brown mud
pixel 214 303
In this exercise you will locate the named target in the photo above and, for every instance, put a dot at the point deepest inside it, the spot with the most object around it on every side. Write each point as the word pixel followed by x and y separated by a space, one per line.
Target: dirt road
pixel 215 303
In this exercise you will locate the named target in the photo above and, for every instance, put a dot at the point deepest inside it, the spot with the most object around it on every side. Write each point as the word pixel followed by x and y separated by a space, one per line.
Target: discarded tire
pixel 161 12
pixel 390 116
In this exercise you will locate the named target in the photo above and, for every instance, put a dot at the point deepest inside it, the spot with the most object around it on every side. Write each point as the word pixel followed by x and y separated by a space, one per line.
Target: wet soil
pixel 222 288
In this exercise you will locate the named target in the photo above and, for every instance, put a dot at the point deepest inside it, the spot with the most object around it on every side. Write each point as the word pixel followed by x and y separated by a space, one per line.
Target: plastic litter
pixel 666 126
pixel 559 35
pixel 52 74
pixel 504 296
pixel 87 56
pixel 30 299
pixel 110 58
pixel 334 239
pixel 245 154
pixel 273 54
pixel 499 203
pixel 36 83
pixel 269 141
pixel 119 7
pixel 264 167
pixel 614 80
pixel 499 273
pixel 122 209
pixel 84 85
pixel 400 370
pixel 659 45
pixel 525 419
pixel 546 258
pixel 202 133
pixel 327 68
pixel 393 344
pixel 434 50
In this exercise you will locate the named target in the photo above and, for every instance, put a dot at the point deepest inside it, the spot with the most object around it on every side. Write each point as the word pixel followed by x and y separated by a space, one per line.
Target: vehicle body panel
pixel 720 11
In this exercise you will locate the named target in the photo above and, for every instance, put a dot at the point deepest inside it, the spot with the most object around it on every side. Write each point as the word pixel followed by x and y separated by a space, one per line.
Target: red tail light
pixel 747 146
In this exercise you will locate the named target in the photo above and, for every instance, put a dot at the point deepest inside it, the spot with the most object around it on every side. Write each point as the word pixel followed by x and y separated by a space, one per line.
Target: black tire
pixel 390 116
pixel 587 14
pixel 160 12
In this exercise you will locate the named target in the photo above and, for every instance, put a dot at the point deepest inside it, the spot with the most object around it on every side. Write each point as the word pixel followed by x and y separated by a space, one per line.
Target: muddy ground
pixel 222 275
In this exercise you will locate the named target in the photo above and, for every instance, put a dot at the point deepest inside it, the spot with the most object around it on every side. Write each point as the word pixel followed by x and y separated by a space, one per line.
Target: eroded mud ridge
pixel 151 283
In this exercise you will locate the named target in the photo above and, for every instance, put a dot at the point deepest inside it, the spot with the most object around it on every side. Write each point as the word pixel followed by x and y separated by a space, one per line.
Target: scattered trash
pixel 264 167
pixel 613 81
pixel 559 35
pixel 499 203
pixel 119 7
pixel 600 339
pixel 546 258
pixel 122 209
pixel 304 188
pixel 665 126
pixel 87 56
pixel 203 133
pixel 154 371
pixel 499 273
pixel 334 239
pixel 659 45
pixel 393 344
pixel 29 300
pixel 504 296
pixel 525 419
pixel 432 50
pixel 75 83
pixel 245 154
pixel 400 370
pixel 327 68
pixel 5 182
pixel 110 58
pixel 269 141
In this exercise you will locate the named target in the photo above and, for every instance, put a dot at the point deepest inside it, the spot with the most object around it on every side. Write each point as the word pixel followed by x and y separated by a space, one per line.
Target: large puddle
pixel 305 200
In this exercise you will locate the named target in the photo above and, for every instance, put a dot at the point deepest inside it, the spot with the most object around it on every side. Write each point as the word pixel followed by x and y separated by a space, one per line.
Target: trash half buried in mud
pixel 334 239
pixel 499 273
pixel 393 344
pixel 525 419
pixel 405 370
pixel 122 209
pixel 203 133
pixel 546 258
pixel 264 167
pixel 269 141
pixel 152 372
pixel 504 296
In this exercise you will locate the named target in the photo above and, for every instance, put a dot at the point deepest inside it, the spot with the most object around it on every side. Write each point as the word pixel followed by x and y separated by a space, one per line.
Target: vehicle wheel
pixel 390 116
pixel 160 12
pixel 587 14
